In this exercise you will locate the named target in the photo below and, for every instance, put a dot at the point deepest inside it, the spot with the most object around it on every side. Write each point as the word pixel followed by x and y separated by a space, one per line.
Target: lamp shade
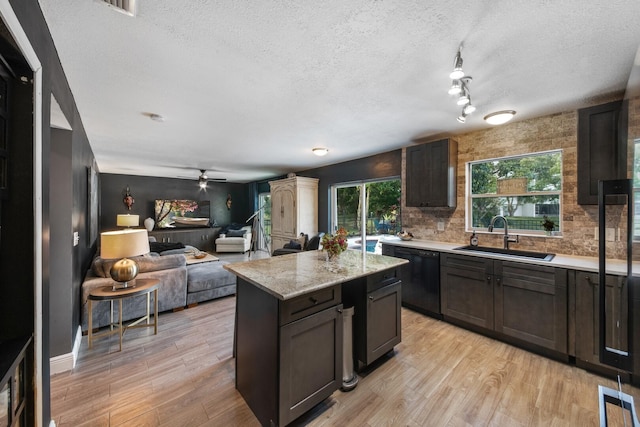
pixel 127 220
pixel 124 243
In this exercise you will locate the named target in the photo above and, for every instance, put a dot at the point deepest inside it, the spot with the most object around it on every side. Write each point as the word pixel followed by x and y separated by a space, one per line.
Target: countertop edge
pixel 323 284
pixel 573 262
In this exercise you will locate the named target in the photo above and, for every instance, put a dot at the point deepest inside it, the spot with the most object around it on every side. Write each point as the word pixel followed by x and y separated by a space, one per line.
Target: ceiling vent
pixel 128 7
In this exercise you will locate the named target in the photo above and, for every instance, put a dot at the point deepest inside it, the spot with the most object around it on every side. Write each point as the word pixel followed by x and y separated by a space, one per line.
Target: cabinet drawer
pixel 308 304
pixel 383 278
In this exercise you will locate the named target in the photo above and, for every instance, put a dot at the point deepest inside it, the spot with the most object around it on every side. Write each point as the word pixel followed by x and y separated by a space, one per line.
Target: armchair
pixel 235 240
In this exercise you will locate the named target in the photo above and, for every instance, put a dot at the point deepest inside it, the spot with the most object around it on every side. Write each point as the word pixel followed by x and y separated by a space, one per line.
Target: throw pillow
pixel 236 233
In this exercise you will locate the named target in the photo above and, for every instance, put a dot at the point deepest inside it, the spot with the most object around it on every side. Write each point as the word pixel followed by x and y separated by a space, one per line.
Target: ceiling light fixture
pixel 499 117
pixel 319 151
pixel 202 179
pixel 460 87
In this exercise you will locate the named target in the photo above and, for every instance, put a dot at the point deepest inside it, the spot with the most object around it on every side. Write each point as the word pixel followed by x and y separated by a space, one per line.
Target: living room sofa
pixel 181 285
pixel 235 240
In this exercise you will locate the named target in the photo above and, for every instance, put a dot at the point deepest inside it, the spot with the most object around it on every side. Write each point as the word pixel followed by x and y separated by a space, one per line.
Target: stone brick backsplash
pixel 557 131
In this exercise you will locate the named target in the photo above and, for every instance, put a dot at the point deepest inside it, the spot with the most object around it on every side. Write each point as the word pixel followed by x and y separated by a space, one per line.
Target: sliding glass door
pixel 369 211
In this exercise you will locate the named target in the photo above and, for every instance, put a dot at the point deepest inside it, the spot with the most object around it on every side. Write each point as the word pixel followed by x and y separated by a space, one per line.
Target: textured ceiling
pixel 249 87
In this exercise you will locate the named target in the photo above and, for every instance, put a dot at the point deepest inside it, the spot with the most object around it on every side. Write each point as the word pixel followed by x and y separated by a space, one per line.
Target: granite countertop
pixel 288 276
pixel 582 263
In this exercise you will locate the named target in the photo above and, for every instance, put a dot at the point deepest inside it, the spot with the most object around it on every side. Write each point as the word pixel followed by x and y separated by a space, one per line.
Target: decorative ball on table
pixel 335 244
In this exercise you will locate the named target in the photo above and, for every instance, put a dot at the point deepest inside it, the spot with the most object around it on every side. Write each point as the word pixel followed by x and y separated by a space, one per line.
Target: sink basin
pixel 542 256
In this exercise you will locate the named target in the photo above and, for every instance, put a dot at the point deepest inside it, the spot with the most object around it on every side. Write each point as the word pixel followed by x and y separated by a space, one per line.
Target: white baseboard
pixel 66 362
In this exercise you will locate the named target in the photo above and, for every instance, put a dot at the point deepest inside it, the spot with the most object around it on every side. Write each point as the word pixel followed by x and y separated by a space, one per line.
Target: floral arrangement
pixel 335 244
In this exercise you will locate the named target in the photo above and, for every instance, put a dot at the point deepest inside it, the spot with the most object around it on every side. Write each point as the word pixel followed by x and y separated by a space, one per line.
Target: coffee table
pixel 108 293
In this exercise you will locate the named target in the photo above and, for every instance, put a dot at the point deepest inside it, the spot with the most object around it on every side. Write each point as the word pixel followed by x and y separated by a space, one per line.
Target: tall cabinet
pixel 294 209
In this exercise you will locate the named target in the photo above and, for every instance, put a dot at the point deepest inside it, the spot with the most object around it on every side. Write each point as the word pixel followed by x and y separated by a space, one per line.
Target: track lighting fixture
pixel 459 87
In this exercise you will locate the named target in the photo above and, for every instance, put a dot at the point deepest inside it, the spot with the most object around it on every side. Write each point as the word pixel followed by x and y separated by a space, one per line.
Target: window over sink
pixel 525 189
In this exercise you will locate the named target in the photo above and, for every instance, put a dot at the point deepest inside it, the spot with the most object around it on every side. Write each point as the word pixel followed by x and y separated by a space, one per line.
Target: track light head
pixel 469 108
pixel 457 72
pixel 464 97
pixel 456 87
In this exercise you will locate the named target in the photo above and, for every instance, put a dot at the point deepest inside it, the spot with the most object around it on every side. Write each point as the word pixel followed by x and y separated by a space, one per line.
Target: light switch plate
pixel 440 225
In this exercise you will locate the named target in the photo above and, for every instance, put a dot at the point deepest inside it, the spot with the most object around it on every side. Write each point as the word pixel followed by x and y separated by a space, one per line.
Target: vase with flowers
pixel 335 244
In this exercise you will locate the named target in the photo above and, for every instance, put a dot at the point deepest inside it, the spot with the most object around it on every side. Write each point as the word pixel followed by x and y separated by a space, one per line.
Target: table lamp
pixel 122 244
pixel 127 220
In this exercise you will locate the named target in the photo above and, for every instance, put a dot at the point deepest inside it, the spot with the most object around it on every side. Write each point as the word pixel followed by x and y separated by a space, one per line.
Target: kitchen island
pixel 289 326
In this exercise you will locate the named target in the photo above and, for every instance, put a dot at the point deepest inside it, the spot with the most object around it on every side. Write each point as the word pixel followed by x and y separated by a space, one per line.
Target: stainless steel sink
pixel 542 256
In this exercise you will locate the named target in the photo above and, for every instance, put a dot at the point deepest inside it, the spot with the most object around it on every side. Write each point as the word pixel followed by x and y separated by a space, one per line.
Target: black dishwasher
pixel 420 280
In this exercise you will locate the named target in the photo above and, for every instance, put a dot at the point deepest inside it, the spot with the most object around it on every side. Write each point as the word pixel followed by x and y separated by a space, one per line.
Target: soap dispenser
pixel 473 241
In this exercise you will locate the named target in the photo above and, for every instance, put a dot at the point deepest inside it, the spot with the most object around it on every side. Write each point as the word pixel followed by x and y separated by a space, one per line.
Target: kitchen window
pixel 526 190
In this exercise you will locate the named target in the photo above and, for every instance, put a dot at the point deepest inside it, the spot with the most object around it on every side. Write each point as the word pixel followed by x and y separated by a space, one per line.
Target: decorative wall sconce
pixel 229 201
pixel 128 199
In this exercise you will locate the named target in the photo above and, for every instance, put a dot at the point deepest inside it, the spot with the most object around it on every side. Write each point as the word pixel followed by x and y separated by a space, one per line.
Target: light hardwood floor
pixel 439 375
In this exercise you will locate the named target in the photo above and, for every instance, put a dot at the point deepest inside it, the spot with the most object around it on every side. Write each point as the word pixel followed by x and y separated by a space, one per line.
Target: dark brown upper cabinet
pixel 602 148
pixel 431 174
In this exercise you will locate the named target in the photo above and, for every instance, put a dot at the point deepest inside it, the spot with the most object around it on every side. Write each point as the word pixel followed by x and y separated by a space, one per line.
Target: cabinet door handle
pixel 498 281
pixel 339 310
pixel 370 297
pixel 313 300
pixel 489 279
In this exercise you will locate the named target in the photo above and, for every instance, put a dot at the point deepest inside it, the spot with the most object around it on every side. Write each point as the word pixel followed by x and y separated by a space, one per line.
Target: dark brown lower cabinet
pixel 587 332
pixel 376 322
pixel 288 353
pixel 466 289
pixel 523 302
pixel 531 304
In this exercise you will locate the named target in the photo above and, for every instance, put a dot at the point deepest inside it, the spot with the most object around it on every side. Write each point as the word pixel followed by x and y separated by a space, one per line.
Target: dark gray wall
pixel 61 271
pixel 383 165
pixel 54 82
pixel 145 190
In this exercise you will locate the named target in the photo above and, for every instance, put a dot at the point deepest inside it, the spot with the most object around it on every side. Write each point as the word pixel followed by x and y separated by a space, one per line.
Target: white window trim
pixel 469 197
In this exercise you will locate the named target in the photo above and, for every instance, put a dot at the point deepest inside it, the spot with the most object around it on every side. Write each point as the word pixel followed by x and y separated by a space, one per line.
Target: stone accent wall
pixel 557 131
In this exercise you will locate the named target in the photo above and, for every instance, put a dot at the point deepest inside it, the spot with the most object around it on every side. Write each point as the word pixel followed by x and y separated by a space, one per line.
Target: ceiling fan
pixel 203 179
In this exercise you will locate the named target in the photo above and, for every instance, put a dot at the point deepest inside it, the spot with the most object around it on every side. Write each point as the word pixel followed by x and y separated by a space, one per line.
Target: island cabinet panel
pixel 288 353
pixel 587 331
pixel 531 303
pixel 377 311
pixel 518 302
pixel 431 174
pixel 310 362
pixel 466 289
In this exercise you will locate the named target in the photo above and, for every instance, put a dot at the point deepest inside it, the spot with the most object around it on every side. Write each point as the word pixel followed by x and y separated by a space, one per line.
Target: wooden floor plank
pixel 439 375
